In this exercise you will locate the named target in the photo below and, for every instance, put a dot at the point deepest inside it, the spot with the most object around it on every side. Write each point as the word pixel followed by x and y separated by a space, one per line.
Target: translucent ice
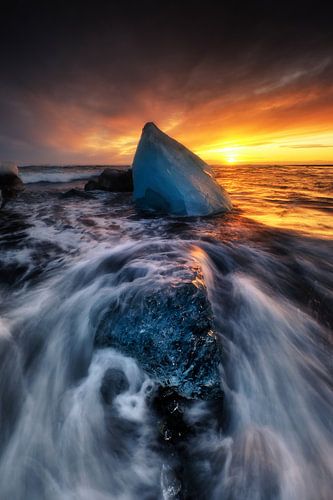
pixel 169 177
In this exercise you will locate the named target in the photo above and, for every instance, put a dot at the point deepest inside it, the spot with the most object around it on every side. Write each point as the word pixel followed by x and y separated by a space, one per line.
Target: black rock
pixel 10 183
pixel 91 184
pixel 112 179
pixel 77 193
pixel 170 409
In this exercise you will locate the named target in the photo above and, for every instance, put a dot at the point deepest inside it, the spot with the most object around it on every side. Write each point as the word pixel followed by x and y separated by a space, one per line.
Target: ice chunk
pixel 170 332
pixel 169 177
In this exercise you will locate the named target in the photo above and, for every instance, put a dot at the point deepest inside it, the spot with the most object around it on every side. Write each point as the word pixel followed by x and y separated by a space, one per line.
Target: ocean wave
pixel 54 177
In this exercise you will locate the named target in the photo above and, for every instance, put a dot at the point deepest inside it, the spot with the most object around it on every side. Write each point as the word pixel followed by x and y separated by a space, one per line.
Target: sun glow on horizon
pixel 276 127
pixel 290 147
pixel 231 155
pixel 281 147
pixel 215 142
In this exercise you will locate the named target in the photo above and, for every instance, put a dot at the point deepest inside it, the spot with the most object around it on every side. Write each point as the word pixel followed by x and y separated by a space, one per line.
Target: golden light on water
pixel 284 197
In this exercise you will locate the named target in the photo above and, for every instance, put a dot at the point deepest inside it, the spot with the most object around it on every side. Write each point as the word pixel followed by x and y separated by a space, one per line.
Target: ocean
pixel 268 269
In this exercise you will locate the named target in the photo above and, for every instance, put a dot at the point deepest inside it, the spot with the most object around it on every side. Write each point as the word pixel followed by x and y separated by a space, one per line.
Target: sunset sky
pixel 241 83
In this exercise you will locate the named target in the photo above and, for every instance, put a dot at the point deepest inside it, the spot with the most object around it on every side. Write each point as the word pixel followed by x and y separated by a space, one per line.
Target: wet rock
pixel 170 409
pixel 91 184
pixel 171 334
pixel 179 422
pixel 10 183
pixel 77 193
pixel 112 179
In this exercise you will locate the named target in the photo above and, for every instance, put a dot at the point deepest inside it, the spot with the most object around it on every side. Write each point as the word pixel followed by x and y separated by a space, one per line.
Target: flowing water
pixel 268 268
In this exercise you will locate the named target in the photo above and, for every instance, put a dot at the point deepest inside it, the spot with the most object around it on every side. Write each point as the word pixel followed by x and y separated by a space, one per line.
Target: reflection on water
pixel 287 197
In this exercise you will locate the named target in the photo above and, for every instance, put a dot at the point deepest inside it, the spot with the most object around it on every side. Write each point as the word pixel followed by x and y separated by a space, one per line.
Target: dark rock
pixel 91 184
pixel 170 332
pixel 170 409
pixel 77 193
pixel 112 179
pixel 180 475
pixel 10 183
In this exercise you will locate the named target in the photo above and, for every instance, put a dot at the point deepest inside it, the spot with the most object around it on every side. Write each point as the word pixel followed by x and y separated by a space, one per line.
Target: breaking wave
pixel 63 175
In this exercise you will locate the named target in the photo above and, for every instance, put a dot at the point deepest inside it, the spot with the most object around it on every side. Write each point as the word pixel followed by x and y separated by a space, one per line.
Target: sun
pixel 230 154
pixel 222 154
pixel 231 159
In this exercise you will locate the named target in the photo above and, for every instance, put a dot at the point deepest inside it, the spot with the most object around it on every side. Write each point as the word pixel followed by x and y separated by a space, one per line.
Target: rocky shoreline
pixel 10 182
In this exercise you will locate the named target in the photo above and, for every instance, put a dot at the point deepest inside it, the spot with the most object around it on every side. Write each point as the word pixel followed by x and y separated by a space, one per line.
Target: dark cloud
pixel 75 70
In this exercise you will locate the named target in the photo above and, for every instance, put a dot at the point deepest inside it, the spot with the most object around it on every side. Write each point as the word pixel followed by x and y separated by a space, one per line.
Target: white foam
pixel 29 177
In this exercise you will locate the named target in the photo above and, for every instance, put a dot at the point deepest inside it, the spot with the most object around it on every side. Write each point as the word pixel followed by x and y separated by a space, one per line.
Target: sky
pixel 237 82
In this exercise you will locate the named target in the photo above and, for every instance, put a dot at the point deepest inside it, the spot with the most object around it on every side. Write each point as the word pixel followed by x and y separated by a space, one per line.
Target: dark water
pixel 268 267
